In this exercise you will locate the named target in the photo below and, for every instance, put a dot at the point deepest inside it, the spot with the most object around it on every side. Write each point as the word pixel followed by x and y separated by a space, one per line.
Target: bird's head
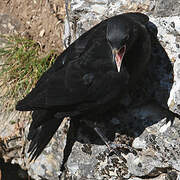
pixel 118 36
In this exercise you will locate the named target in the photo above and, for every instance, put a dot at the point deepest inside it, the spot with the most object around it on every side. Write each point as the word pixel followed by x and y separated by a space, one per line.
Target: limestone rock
pixel 160 149
pixel 167 8
pixel 8 24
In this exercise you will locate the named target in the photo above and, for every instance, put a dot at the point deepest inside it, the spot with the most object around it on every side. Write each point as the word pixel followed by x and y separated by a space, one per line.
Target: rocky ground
pixel 146 123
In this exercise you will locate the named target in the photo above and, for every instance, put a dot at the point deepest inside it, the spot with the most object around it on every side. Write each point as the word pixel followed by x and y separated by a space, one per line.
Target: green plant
pixel 21 67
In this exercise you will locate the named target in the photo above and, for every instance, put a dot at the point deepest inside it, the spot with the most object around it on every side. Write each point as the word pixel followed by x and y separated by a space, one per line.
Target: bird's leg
pixel 112 147
pixel 108 144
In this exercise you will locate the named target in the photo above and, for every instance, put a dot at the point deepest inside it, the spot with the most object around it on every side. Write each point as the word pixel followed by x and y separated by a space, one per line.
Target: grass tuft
pixel 21 65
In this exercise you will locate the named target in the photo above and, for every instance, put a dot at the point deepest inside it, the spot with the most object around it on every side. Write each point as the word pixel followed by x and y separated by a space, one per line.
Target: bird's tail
pixel 41 130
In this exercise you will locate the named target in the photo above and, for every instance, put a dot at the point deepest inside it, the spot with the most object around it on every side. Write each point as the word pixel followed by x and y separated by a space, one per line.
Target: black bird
pixel 89 77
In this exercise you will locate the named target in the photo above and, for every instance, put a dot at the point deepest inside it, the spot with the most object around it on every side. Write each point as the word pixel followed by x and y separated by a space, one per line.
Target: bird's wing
pixel 41 130
pixel 138 17
pixel 55 91
pixel 70 86
pixel 143 19
pixel 75 50
pixel 87 90
pixel 66 87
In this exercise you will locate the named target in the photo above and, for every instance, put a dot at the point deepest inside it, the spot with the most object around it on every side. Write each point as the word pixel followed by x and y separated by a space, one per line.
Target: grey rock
pixel 8 24
pixel 167 8
pixel 139 143
pixel 142 166
pixel 172 175
pixel 96 165
pixel 161 150
pixel 83 161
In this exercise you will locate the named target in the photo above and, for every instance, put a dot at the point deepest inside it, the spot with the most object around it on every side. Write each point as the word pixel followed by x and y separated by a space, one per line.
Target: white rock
pixel 139 143
pixel 165 127
pixel 42 32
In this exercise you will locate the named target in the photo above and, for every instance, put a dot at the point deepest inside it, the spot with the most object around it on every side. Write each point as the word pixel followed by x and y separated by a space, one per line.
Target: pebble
pixel 42 32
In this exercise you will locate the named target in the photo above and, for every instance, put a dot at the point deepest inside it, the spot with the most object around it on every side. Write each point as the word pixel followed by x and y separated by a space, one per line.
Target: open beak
pixel 118 55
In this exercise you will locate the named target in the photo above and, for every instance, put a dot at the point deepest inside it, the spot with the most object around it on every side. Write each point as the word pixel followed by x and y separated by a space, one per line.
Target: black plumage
pixel 89 77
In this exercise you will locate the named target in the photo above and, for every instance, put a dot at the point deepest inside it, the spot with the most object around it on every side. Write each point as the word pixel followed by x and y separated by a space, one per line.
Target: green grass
pixel 22 66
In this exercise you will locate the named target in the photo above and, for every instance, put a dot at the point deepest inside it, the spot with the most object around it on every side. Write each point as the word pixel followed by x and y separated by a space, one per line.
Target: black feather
pixel 41 135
